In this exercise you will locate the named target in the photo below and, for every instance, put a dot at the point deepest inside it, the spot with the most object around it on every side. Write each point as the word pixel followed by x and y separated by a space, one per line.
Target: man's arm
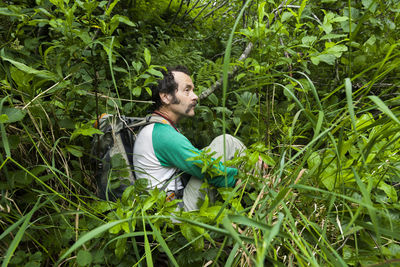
pixel 172 149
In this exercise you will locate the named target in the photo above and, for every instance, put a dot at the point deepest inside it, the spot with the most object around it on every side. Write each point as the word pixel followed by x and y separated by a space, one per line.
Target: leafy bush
pixel 316 98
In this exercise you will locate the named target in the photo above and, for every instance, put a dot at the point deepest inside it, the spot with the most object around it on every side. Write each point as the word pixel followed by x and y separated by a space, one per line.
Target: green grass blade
pixel 376 65
pixel 354 200
pixel 12 227
pixel 383 230
pixel 278 199
pixel 253 223
pixel 149 258
pixel 90 235
pixel 290 93
pixel 349 98
pixel 261 253
pixel 4 140
pixel 227 59
pixel 313 90
pixel 320 120
pixel 221 248
pixel 367 199
pixel 231 258
pixel 127 235
pixel 163 244
pixel 228 226
pixel 3 163
pixel 385 109
pixel 4 137
pixel 382 63
pixel 43 183
pixel 14 244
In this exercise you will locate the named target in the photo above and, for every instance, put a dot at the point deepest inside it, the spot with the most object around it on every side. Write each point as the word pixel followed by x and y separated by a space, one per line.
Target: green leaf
pixel 364 120
pixel 10 115
pixel 111 7
pixel 148 90
pixel 137 65
pixel 120 247
pixel 86 130
pixel 3 118
pixel 340 19
pixel 240 76
pixel 327 58
pixel 389 190
pixel 267 159
pixel 370 5
pixel 6 12
pixel 286 16
pixel 137 91
pixel 84 258
pixel 116 19
pixel 149 258
pixel 119 69
pixel 21 66
pixel 327 27
pixel 190 233
pixel 155 72
pixel 125 20
pixel 147 56
pixel 336 50
pixel 85 37
pixel 308 40
pixel 332 36
pixel 213 99
pixel 77 151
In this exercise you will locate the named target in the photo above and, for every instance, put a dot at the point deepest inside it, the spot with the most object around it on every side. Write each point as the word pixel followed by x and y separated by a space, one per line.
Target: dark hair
pixel 166 85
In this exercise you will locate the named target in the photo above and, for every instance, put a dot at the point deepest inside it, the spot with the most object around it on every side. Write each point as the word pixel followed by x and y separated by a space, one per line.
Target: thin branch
pixel 201 11
pixel 120 99
pixel 177 13
pixel 169 5
pixel 45 91
pixel 190 10
pixel 215 9
pixel 218 83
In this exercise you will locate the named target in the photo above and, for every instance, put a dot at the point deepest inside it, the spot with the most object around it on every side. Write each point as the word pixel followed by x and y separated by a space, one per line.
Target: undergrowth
pixel 316 99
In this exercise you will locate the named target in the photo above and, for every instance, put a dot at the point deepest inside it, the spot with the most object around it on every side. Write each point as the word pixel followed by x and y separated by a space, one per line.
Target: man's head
pixel 174 94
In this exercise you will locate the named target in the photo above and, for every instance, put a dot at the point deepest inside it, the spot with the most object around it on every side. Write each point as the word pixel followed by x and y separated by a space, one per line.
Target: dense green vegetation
pixel 315 95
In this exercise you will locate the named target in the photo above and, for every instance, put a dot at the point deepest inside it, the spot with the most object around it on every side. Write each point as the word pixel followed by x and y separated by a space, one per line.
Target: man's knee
pixel 232 145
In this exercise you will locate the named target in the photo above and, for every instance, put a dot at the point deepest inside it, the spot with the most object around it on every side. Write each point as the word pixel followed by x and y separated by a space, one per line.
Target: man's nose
pixel 195 97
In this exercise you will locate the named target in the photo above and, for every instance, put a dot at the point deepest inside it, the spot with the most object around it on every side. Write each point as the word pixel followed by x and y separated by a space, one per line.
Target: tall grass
pixel 330 200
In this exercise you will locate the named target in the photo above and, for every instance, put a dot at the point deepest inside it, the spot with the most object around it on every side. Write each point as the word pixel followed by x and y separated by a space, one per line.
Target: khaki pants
pixel 192 193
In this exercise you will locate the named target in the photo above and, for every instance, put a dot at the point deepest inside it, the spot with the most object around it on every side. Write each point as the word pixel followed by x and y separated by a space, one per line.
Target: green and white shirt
pixel 160 150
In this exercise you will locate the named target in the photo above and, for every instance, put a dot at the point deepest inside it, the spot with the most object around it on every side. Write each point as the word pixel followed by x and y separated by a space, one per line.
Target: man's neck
pixel 168 115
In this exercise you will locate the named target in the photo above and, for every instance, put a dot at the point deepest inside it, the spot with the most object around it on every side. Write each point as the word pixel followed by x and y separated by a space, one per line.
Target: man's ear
pixel 165 98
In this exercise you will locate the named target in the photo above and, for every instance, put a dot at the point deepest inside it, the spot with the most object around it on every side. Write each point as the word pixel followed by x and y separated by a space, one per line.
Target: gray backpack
pixel 112 153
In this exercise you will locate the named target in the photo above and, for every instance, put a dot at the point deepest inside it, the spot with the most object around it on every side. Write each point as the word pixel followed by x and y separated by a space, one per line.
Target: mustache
pixel 193 104
pixel 190 106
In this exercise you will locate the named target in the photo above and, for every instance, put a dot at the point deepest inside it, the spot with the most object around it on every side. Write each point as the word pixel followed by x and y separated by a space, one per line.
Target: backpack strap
pixel 156 118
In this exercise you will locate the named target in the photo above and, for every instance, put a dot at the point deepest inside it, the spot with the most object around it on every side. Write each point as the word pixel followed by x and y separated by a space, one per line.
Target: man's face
pixel 184 100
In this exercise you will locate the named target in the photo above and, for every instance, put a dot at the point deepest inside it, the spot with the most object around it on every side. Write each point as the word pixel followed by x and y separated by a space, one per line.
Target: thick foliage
pixel 317 99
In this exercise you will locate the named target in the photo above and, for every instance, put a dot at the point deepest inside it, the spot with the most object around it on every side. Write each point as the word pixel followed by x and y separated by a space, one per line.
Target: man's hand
pixel 261 164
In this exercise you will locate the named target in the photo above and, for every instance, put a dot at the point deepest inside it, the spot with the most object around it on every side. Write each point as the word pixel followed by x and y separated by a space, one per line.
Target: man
pixel 161 150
